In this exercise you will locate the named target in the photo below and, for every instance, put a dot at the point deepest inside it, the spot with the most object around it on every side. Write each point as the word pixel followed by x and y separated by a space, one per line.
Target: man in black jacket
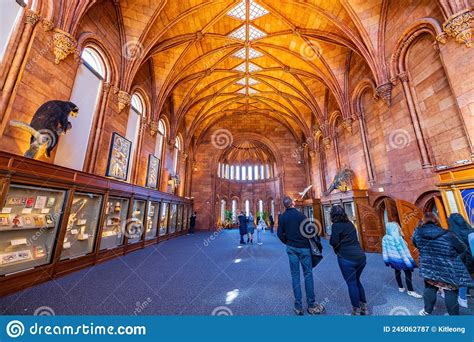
pixel 192 223
pixel 242 227
pixel 290 227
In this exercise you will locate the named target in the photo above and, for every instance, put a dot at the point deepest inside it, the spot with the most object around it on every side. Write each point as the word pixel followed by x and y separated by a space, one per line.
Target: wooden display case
pixel 84 226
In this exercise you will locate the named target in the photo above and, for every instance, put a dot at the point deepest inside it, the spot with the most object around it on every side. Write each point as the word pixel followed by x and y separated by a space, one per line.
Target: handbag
pixel 316 250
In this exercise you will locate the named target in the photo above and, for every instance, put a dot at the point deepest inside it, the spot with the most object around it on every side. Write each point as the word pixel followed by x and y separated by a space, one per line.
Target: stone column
pixel 425 160
pixel 365 145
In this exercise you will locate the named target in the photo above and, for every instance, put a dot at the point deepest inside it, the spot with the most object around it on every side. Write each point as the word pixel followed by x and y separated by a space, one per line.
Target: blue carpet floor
pixel 209 273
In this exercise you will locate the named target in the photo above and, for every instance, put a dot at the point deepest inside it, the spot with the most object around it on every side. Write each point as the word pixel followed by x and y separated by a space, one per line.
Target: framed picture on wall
pixel 152 171
pixel 119 157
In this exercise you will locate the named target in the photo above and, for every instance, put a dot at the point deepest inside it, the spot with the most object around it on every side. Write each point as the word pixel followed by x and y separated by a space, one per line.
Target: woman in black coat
pixel 440 264
pixel 350 257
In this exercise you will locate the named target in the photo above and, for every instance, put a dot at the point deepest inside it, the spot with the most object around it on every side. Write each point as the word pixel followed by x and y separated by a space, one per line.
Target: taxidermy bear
pixel 49 121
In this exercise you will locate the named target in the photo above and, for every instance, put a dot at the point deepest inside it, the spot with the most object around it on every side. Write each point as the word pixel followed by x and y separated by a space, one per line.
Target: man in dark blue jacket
pixel 290 227
pixel 242 227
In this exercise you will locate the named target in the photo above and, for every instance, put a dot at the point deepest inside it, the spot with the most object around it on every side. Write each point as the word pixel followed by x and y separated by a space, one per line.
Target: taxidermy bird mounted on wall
pixel 342 181
pixel 305 191
pixel 49 121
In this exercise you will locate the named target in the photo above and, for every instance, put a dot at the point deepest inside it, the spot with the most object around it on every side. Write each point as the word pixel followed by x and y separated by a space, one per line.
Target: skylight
pixel 253 53
pixel 242 91
pixel 240 33
pixel 238 11
pixel 241 54
pixel 241 68
pixel 253 67
pixel 255 10
pixel 252 91
pixel 242 81
pixel 252 81
pixel 255 33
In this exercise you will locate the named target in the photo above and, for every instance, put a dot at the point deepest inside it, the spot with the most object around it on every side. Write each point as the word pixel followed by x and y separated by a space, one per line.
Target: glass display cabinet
pixel 186 217
pixel 115 219
pixel 173 214
pixel 152 221
pixel 164 218
pixel 179 220
pixel 29 223
pixel 134 229
pixel 82 225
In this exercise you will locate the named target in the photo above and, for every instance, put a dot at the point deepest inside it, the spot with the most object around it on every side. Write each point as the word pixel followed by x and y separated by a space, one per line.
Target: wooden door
pixel 371 228
pixel 392 212
pixel 410 215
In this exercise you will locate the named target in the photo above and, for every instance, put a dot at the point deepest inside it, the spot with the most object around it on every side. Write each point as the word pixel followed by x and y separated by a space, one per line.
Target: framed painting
pixel 152 171
pixel 119 157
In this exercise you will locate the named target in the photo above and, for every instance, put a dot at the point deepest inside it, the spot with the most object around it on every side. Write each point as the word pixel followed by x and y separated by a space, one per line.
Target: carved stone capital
pixel 347 124
pixel 64 45
pixel 459 27
pixel 312 153
pixel 124 99
pixel 153 127
pixel 384 92
pixel 442 38
pixel 31 17
pixel 48 25
pixel 326 142
pixel 403 76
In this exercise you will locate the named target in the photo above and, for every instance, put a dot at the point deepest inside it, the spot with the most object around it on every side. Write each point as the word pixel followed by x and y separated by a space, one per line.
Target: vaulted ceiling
pixel 285 59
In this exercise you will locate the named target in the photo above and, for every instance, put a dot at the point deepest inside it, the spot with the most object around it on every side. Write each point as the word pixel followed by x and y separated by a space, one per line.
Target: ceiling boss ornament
pixel 64 45
pixel 459 27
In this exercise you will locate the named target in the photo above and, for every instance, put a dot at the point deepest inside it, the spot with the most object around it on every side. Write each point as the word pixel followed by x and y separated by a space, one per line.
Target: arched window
pixel 133 126
pixel 223 205
pixel 255 168
pixel 273 208
pixel 247 207
pixel 260 207
pixel 262 172
pixel 226 171
pixel 219 169
pixel 249 170
pixel 232 172
pixel 244 172
pixel 234 210
pixel 237 172
pixel 11 13
pixel 177 148
pixel 267 170
pixel 160 139
pixel 72 147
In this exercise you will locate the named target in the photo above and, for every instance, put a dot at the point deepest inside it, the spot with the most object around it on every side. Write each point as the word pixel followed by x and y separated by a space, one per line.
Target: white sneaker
pixel 462 302
pixel 423 313
pixel 414 294
pixel 401 289
pixel 260 243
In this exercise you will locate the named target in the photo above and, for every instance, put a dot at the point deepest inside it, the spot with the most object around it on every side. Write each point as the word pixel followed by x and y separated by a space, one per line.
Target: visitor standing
pixel 440 264
pixel 396 254
pixel 459 227
pixel 272 223
pixel 242 227
pixel 250 228
pixel 261 226
pixel 350 257
pixel 299 252
pixel 192 222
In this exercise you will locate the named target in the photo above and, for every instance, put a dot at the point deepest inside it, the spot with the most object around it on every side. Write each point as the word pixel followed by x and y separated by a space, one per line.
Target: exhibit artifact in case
pixel 134 227
pixel 164 218
pixel 173 213
pixel 29 222
pixel 116 213
pixel 152 221
pixel 82 225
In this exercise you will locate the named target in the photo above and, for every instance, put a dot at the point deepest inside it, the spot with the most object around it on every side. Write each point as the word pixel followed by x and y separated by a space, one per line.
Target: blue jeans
pixel 296 257
pixel 463 293
pixel 351 271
